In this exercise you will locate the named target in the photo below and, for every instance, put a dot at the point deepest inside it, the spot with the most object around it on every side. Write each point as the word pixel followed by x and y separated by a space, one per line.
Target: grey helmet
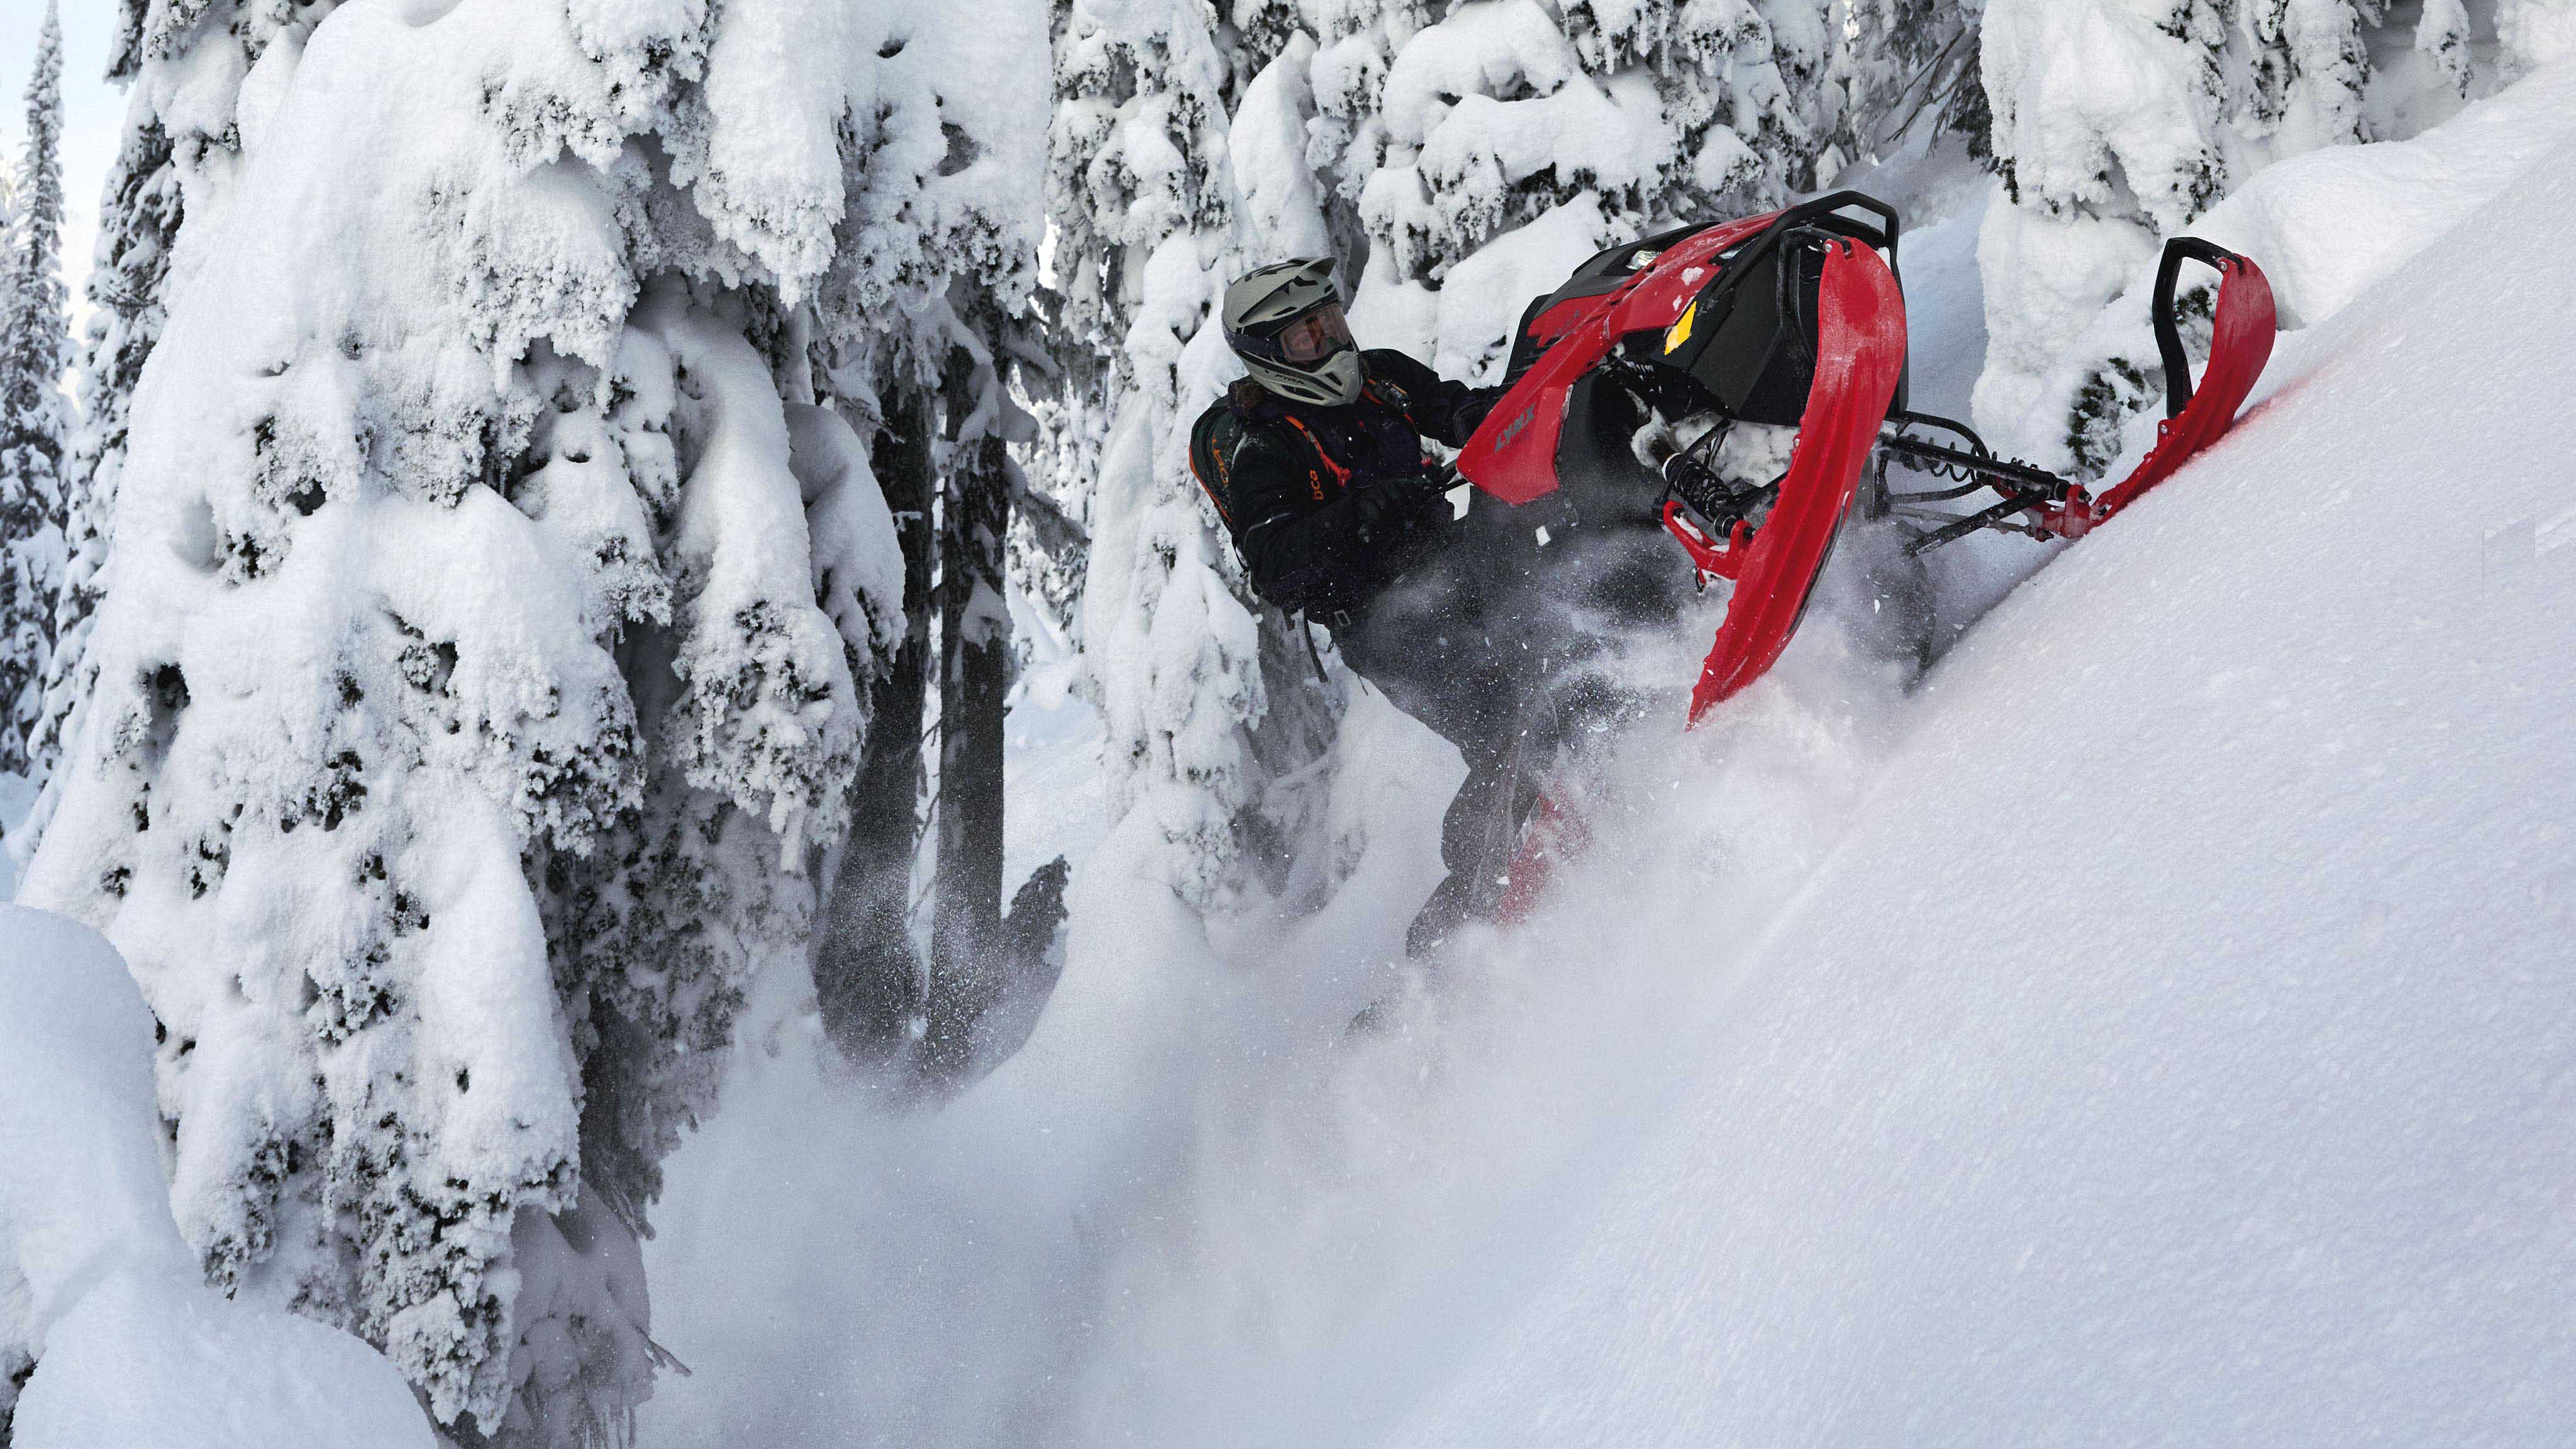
pixel 1285 321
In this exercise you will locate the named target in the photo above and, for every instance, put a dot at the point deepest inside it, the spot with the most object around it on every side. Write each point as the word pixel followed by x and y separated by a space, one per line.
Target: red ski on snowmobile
pixel 1796 319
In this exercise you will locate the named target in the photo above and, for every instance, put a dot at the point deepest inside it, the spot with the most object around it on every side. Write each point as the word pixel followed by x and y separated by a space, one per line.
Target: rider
pixel 1316 464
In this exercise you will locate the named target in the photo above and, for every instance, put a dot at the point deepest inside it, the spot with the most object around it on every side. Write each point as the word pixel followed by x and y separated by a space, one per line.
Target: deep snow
pixel 2153 1028
pixel 2181 1047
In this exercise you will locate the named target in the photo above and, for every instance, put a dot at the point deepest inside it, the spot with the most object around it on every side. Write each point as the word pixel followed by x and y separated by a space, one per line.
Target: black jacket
pixel 1327 505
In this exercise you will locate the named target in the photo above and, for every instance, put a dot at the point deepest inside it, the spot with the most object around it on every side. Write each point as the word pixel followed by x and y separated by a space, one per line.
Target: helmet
pixel 1285 321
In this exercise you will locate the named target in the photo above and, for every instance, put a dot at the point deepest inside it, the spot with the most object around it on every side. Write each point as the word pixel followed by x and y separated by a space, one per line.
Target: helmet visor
pixel 1317 335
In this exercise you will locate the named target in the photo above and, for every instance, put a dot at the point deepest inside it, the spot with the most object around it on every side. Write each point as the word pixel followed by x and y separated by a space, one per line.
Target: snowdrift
pixel 131 1347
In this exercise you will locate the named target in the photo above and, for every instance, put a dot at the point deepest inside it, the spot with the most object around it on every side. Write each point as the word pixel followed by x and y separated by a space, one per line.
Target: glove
pixel 1417 489
pixel 1471 411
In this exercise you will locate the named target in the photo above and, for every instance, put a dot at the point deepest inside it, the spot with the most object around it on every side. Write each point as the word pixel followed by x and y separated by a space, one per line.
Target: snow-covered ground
pixel 1057 803
pixel 2154 1027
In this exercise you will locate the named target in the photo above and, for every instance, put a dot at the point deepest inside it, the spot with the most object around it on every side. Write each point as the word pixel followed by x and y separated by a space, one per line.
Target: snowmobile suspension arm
pixel 1979 471
pixel 2241 323
pixel 1996 516
pixel 2021 487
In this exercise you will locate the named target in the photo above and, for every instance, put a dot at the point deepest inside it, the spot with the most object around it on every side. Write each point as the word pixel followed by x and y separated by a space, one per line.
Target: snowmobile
pixel 1790 320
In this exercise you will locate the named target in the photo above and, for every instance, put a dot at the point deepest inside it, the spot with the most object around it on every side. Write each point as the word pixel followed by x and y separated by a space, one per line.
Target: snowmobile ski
pixel 2241 330
pixel 1860 350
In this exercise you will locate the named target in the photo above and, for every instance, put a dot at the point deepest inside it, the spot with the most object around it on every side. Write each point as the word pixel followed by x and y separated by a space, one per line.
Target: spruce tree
pixel 2442 32
pixel 1898 62
pixel 481 718
pixel 1451 128
pixel 140 212
pixel 1204 693
pixel 946 385
pixel 34 420
pixel 2533 33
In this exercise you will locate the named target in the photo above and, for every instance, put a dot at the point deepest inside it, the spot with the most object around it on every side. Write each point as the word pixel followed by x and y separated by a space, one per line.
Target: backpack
pixel 1216 436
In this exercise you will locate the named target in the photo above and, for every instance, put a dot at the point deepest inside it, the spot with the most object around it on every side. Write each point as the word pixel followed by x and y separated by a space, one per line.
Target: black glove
pixel 1433 482
pixel 1385 507
pixel 1416 521
pixel 1471 411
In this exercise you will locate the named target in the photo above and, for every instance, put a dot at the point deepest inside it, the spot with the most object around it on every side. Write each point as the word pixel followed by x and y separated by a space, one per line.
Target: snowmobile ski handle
pixel 2169 325
pixel 1823 209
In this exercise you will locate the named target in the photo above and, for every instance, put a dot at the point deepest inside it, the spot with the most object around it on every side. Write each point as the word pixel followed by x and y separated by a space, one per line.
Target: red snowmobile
pixel 1790 320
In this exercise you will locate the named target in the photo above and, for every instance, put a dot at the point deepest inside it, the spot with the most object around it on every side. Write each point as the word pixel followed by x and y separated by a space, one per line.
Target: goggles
pixel 1317 335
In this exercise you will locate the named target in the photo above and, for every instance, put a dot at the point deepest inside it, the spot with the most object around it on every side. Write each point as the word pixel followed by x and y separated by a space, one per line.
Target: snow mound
pixel 2328 224
pixel 131 1349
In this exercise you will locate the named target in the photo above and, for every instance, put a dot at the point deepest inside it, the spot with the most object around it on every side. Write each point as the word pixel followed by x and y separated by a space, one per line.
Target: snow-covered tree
pixel 183 68
pixel 139 217
pixel 497 584
pixel 944 382
pixel 2531 33
pixel 1900 61
pixel 1450 127
pixel 1202 689
pixel 1478 150
pixel 35 348
pixel 2116 123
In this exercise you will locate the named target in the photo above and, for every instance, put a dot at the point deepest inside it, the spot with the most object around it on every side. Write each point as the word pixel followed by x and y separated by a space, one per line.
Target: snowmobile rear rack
pixel 1795 318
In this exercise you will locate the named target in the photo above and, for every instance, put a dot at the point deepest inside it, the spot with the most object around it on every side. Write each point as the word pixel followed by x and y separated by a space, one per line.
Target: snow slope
pixel 2182 1047
pixel 2154 1028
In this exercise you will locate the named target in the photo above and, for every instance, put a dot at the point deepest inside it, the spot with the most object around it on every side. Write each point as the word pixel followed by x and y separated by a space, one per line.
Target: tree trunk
pixel 967 970
pixel 866 974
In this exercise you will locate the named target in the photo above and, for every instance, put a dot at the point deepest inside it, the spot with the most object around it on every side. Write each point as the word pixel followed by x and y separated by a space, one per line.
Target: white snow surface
pixel 131 1348
pixel 2154 1027
pixel 2180 1048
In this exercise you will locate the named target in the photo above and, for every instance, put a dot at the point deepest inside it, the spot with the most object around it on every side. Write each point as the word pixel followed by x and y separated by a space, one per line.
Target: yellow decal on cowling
pixel 1679 332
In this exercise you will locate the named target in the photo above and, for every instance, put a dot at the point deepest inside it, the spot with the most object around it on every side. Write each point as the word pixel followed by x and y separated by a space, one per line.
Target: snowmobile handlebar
pixel 1822 213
